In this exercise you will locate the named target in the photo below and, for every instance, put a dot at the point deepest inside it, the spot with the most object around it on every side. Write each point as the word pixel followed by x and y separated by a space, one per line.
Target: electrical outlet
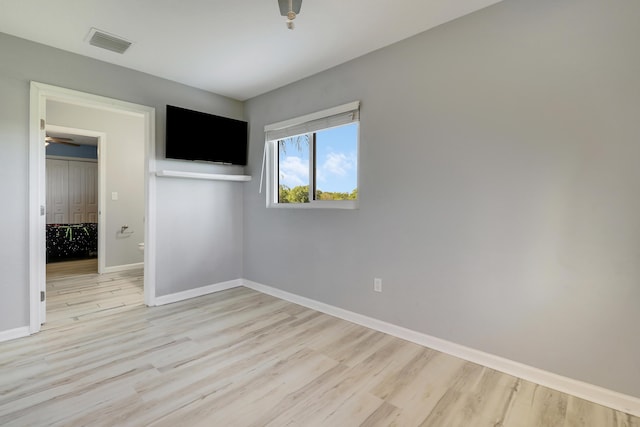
pixel 377 284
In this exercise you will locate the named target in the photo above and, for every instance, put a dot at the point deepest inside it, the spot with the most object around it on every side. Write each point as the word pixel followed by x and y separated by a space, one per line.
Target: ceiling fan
pixel 67 141
pixel 290 9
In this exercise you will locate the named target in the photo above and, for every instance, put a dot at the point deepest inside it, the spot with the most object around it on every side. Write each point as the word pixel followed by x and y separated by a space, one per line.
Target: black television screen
pixel 193 135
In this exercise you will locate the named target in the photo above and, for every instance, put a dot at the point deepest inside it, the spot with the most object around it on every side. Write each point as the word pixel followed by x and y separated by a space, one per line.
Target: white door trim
pixel 40 93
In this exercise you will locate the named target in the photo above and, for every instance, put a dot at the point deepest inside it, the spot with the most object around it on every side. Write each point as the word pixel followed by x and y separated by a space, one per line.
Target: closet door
pixel 91 191
pixel 83 192
pixel 57 192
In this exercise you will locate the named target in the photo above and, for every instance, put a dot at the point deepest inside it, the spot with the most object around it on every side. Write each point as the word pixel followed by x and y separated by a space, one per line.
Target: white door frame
pixel 40 93
pixel 102 203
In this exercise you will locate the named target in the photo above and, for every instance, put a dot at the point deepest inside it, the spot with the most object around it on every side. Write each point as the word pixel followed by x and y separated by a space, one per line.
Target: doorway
pixel 40 95
pixel 74 199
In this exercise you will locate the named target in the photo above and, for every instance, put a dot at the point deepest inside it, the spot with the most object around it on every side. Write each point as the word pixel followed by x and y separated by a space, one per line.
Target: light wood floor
pixel 76 292
pixel 241 358
pixel 57 270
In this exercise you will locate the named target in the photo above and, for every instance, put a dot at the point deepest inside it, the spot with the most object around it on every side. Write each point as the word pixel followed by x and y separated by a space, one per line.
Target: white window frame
pixel 296 126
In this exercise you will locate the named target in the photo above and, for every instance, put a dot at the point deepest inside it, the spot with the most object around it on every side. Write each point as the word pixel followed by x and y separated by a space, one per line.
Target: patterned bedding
pixel 71 241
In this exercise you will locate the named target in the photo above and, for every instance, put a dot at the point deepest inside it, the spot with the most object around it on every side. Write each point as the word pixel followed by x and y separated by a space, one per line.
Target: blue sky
pixel 336 163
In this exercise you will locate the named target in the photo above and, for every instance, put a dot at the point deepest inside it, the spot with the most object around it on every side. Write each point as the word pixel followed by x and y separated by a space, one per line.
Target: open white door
pixel 43 219
pixel 37 218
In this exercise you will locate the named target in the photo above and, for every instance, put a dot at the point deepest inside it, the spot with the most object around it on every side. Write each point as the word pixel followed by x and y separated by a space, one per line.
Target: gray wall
pixel 500 198
pixel 23 61
pixel 210 214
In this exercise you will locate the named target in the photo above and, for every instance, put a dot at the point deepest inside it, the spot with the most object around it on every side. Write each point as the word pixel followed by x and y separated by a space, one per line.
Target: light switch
pixel 114 195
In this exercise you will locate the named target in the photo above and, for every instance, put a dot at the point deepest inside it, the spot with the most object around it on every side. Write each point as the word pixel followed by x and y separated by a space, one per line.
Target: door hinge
pixel 42 210
pixel 41 296
pixel 42 124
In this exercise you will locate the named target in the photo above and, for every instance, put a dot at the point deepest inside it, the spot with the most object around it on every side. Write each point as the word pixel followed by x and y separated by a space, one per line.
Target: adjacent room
pixel 303 213
pixel 93 236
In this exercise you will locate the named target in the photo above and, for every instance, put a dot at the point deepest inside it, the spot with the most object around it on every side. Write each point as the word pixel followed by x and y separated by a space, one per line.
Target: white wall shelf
pixel 208 176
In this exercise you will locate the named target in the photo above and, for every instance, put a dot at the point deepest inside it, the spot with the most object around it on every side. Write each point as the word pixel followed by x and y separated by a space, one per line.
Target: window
pixel 312 161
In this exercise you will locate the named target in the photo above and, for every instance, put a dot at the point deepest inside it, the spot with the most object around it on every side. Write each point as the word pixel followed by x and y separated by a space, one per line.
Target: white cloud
pixel 293 172
pixel 338 164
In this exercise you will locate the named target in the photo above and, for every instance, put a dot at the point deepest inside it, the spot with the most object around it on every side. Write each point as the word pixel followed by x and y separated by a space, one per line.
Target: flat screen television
pixel 193 135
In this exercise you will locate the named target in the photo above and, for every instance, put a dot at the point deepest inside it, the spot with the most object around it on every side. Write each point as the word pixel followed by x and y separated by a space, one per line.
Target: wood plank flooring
pixel 74 295
pixel 241 358
pixel 57 270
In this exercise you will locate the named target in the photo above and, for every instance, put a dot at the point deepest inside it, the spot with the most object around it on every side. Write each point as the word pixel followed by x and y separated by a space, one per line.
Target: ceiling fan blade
pixel 66 141
pixel 284 6
pixel 57 139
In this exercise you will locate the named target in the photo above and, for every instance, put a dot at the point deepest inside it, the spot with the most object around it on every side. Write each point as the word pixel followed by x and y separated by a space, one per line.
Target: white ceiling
pixel 236 48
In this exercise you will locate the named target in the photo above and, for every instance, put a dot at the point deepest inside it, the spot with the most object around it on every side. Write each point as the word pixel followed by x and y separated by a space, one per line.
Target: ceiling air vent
pixel 107 41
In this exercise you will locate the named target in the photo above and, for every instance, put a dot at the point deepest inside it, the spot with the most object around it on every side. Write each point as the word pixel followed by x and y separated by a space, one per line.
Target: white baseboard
pixel 12 334
pixel 590 392
pixel 197 292
pixel 125 267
